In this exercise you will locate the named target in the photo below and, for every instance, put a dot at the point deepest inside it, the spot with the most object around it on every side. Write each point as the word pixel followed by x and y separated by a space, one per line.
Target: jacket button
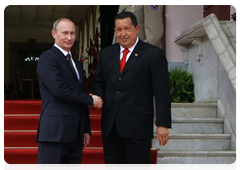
pixel 118 92
pixel 120 79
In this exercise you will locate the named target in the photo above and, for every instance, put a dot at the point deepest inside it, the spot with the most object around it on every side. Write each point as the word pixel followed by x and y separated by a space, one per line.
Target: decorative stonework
pixel 211 27
pixel 184 48
pixel 197 42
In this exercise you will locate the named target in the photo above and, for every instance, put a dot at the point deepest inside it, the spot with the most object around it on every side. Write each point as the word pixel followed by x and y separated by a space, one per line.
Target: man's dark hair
pixel 127 14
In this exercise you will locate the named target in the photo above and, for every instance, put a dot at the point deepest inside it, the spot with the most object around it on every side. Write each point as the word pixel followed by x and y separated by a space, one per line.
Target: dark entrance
pixel 23 64
pixel 108 13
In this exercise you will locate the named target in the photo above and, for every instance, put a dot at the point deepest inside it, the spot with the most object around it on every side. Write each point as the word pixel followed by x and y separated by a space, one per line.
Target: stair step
pixel 20 139
pixel 197 120
pixel 22 106
pixel 32 107
pixel 194 110
pixel 195 142
pixel 21 122
pixel 196 125
pixel 196 153
pixel 27 139
pixel 30 122
pixel 95 122
pixel 28 155
pixel 196 157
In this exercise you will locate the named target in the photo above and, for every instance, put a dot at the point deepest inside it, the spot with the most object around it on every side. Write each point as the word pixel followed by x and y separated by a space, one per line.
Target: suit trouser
pixel 118 150
pixel 60 153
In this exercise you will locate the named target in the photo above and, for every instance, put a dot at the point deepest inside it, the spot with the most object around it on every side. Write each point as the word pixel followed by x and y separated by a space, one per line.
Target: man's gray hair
pixel 56 23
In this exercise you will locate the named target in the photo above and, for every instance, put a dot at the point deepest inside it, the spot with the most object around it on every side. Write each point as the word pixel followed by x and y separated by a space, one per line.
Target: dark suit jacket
pixel 128 97
pixel 64 99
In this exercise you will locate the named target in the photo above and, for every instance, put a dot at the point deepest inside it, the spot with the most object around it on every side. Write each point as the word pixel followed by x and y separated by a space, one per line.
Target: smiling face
pixel 64 34
pixel 126 32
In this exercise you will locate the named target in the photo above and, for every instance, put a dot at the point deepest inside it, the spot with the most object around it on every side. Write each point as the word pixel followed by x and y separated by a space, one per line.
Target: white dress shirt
pixel 130 49
pixel 65 53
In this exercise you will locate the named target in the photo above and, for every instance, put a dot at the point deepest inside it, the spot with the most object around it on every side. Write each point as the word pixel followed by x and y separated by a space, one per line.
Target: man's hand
pixel 87 138
pixel 162 135
pixel 97 101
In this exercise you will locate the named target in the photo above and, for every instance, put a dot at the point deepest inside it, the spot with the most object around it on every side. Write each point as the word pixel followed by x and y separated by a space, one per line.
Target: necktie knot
pixel 69 56
pixel 125 51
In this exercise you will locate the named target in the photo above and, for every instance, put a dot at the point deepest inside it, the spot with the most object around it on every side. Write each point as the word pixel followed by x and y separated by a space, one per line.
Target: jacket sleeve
pixel 161 88
pixel 49 71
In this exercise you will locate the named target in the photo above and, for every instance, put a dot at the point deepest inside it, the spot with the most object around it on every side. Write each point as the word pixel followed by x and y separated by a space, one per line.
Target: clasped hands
pixel 97 101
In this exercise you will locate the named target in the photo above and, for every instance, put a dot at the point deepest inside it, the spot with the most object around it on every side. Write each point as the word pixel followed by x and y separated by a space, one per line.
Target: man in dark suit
pixel 64 124
pixel 127 92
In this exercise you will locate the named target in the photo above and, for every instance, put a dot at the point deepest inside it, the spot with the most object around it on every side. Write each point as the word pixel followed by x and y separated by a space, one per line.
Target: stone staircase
pixel 197 137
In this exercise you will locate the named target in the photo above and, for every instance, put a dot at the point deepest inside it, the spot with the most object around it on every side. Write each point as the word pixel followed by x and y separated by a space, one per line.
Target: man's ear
pixel 53 34
pixel 138 27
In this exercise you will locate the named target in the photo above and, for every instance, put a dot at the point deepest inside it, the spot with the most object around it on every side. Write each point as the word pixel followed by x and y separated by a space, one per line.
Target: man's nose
pixel 69 36
pixel 123 33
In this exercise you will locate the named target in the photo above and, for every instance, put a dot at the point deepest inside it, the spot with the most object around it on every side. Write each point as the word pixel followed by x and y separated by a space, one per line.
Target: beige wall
pixel 179 18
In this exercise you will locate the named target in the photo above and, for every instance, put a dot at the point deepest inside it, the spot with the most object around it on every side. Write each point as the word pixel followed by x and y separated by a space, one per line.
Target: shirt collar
pixel 65 53
pixel 131 48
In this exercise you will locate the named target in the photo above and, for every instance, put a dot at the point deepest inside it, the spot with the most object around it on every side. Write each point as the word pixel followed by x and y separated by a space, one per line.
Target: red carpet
pixel 20 127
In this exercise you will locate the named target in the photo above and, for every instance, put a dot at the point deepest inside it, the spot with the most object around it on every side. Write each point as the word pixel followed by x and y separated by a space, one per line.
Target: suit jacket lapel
pixel 79 70
pixel 64 60
pixel 115 59
pixel 135 55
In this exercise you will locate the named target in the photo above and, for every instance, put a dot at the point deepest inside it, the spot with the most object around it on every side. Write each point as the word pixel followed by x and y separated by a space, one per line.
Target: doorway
pixel 23 77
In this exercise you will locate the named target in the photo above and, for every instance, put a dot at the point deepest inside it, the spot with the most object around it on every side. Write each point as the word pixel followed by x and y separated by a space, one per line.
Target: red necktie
pixel 123 60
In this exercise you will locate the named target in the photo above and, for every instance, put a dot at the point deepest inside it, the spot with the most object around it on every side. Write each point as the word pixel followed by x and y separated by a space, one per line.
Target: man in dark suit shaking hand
pixel 129 74
pixel 64 124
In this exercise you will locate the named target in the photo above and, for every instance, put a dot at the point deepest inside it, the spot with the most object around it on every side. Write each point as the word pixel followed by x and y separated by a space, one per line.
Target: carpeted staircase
pixel 20 128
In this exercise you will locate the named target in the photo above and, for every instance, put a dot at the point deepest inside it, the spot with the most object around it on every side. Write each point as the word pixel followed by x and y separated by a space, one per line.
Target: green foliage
pixel 181 86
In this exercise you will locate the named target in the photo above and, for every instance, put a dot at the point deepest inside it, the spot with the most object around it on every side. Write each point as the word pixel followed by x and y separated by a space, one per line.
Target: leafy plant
pixel 181 86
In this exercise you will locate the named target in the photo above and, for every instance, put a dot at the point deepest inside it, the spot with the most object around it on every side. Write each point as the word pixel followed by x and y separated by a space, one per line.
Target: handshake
pixel 97 101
